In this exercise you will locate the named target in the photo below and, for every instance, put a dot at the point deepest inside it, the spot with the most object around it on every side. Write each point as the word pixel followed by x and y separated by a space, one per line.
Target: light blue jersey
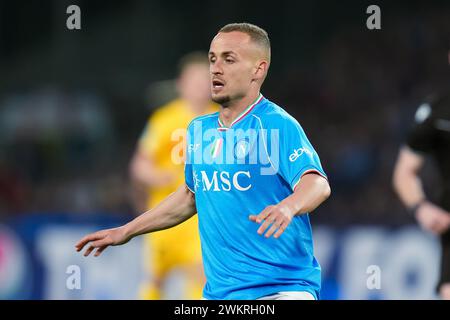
pixel 238 171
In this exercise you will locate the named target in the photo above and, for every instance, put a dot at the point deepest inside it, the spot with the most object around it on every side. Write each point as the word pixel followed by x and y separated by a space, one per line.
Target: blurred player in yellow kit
pixel 156 164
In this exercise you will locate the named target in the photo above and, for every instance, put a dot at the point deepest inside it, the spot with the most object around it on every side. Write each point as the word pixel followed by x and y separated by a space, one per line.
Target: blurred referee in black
pixel 430 136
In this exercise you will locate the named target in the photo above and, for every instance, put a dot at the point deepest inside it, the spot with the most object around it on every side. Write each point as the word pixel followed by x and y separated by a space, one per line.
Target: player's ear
pixel 261 69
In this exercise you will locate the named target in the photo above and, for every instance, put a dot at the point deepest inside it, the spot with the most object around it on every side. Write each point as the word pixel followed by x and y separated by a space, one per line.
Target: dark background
pixel 74 102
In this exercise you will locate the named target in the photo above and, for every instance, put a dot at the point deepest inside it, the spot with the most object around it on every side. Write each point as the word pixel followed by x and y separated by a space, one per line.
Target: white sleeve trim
pixel 306 172
pixel 189 188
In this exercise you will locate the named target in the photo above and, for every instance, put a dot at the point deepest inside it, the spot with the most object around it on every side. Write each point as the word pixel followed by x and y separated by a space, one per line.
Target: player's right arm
pixel 408 185
pixel 406 180
pixel 144 170
pixel 175 209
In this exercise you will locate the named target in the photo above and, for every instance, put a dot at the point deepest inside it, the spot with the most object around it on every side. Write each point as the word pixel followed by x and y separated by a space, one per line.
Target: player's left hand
pixel 278 216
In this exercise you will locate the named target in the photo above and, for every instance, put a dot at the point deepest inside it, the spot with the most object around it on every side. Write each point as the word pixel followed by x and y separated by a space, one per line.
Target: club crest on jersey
pixel 241 149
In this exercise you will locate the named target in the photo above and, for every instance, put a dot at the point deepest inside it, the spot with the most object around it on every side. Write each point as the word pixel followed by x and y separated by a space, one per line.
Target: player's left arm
pixel 310 192
pixel 299 166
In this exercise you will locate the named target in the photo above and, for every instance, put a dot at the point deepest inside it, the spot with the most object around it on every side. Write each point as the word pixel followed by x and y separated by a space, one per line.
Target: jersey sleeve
pixel 188 170
pixel 297 156
pixel 421 137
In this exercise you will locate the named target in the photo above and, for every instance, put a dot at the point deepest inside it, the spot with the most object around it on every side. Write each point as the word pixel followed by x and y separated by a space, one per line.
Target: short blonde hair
pixel 257 34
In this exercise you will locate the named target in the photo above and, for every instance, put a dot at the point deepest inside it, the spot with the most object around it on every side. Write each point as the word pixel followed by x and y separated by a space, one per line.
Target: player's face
pixel 194 83
pixel 232 66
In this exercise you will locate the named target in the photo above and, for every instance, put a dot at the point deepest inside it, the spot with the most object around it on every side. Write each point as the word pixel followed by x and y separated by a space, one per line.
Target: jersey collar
pixel 242 115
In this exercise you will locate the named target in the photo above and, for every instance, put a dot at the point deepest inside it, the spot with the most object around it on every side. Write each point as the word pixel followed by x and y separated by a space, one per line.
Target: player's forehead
pixel 235 41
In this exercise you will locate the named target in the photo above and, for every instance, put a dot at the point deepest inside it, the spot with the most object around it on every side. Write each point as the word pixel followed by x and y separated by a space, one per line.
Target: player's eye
pixel 212 59
pixel 228 60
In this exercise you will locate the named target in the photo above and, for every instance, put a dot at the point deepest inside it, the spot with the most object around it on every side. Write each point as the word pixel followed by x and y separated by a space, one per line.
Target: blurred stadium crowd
pixel 66 148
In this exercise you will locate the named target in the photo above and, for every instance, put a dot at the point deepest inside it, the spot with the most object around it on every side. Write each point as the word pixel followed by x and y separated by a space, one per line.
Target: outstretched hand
pixel 278 216
pixel 102 239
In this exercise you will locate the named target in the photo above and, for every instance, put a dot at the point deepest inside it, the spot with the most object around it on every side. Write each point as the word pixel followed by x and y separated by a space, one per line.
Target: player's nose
pixel 215 69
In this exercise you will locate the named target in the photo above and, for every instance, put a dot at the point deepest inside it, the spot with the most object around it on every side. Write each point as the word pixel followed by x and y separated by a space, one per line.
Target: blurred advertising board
pixel 38 261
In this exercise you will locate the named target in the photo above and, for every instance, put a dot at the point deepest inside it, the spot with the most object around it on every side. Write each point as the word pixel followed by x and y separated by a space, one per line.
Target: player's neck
pixel 235 108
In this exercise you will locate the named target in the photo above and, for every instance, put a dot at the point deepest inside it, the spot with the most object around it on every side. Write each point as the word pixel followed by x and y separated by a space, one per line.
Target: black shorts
pixel 445 259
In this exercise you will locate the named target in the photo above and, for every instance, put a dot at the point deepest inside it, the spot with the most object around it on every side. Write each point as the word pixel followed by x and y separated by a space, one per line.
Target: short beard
pixel 223 101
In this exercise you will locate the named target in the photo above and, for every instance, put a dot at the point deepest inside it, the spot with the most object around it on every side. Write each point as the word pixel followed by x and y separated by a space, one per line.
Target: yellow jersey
pixel 163 141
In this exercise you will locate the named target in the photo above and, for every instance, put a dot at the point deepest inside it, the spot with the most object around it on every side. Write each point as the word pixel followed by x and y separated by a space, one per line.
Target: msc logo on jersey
pixel 298 153
pixel 222 181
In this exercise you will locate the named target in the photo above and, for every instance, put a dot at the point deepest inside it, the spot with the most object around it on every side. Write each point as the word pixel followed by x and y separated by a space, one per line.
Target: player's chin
pixel 220 98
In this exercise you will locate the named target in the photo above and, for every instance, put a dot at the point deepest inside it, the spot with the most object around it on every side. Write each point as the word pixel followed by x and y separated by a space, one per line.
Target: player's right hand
pixel 102 239
pixel 433 218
